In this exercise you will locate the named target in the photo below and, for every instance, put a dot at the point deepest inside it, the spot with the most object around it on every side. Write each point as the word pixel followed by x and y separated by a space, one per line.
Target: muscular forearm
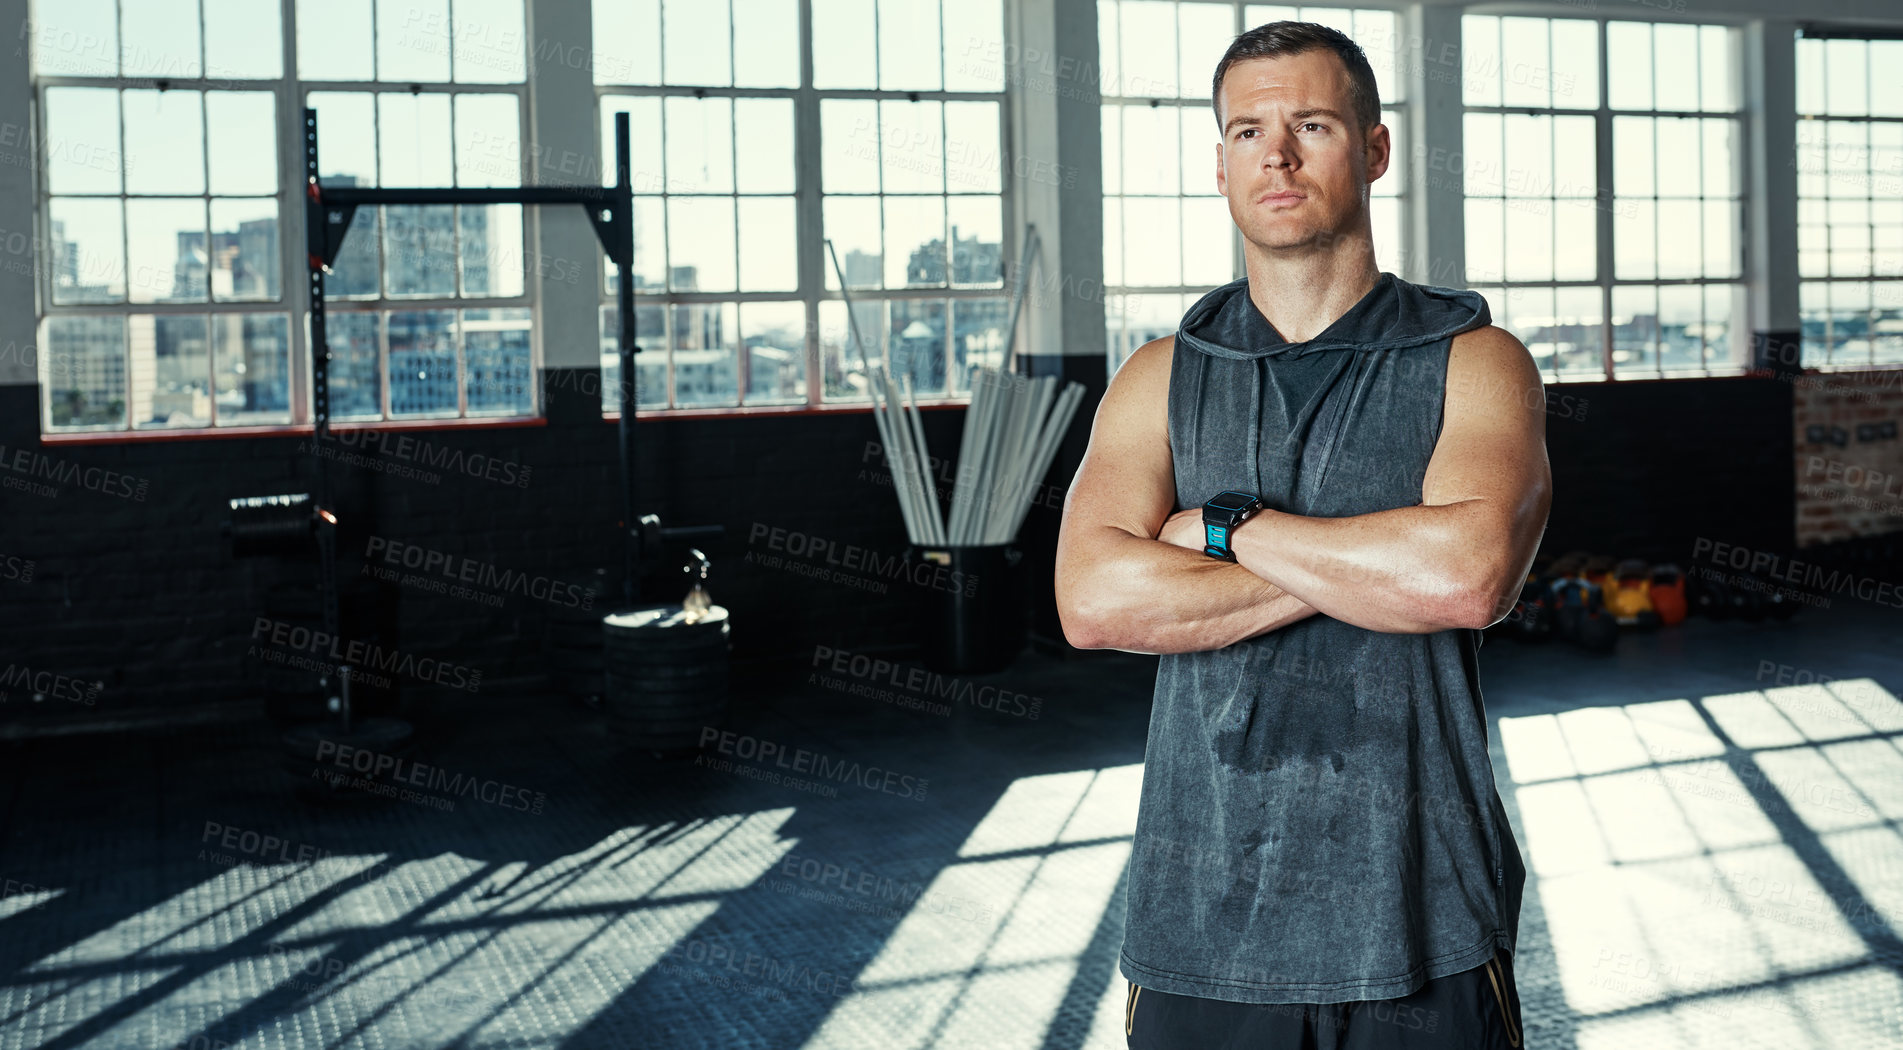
pixel 1147 596
pixel 1411 570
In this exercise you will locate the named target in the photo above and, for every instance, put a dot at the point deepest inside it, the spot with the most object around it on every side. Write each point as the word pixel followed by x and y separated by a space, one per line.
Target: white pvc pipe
pixel 971 470
pixel 913 461
pixel 901 456
pixel 935 524
pixel 987 465
pixel 971 457
pixel 1054 437
pixel 961 488
pixel 891 458
pixel 1025 453
pixel 1017 440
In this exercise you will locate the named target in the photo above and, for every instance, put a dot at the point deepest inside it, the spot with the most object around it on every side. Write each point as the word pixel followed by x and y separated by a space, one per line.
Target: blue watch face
pixel 1231 501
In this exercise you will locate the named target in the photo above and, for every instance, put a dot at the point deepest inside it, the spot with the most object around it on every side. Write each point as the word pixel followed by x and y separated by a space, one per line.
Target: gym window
pixel 163 222
pixel 165 128
pixel 1168 235
pixel 425 307
pixel 1850 200
pixel 1624 203
pixel 760 128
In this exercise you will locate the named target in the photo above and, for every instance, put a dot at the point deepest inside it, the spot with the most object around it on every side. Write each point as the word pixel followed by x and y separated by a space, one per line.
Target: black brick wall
pixel 142 594
pixel 1642 469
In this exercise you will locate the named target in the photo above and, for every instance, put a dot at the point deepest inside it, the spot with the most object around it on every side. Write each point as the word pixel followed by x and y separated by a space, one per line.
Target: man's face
pixel 1293 162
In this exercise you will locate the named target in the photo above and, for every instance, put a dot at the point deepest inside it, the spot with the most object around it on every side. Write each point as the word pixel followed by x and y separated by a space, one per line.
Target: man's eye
pixel 1311 124
pixel 1246 132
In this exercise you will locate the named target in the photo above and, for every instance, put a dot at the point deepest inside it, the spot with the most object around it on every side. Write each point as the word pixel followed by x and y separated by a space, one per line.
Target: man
pixel 1321 858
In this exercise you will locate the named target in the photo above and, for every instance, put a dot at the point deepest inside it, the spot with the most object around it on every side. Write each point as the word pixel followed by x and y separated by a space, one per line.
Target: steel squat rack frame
pixel 328 212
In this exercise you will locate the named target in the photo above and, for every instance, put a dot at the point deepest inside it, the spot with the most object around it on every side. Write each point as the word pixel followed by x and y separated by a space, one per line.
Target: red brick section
pixel 1856 488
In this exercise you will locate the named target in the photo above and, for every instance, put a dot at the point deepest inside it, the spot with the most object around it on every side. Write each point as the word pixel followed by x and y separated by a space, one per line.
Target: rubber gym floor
pixel 1713 854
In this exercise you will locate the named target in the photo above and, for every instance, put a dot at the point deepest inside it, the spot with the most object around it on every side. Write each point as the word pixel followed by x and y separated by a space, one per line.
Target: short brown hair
pixel 1281 39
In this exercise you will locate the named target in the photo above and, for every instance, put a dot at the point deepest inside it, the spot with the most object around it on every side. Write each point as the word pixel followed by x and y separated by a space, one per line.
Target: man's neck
pixel 1301 294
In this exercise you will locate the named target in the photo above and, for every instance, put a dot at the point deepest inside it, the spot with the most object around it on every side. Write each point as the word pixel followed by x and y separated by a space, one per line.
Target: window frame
pixel 1823 120
pixel 1605 200
pixel 813 265
pixel 337 304
pixel 290 94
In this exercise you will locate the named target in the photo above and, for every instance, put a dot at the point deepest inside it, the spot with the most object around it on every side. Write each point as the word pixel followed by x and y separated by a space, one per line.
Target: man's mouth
pixel 1281 197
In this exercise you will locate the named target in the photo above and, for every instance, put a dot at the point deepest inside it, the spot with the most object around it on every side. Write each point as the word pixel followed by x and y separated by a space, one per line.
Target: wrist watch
pixel 1224 511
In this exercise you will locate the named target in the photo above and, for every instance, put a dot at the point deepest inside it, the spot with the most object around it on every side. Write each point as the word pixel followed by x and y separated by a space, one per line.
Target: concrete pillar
pixel 1057 158
pixel 1057 185
pixel 19 259
pixel 1770 100
pixel 1428 60
pixel 564 148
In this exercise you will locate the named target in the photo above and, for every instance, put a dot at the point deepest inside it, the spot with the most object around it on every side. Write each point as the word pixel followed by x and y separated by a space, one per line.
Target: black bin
pixel 974 617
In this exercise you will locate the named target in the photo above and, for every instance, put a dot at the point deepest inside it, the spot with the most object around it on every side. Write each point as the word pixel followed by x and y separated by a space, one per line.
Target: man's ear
pixel 1380 151
pixel 1222 179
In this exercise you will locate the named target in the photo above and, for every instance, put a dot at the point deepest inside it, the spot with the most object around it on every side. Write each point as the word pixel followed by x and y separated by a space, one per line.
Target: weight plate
pixel 664 619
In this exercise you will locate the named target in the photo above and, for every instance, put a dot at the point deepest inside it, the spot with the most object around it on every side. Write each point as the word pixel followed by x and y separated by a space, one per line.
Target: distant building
pixel 70 269
pixel 170 369
pixel 84 362
pixel 863 270
pixel 973 261
pixel 254 358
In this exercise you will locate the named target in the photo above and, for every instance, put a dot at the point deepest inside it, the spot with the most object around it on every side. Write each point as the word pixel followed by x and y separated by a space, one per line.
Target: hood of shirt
pixel 1395 314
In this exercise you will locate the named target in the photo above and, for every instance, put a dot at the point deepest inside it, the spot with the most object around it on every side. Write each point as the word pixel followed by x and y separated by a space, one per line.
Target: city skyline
pixel 177 364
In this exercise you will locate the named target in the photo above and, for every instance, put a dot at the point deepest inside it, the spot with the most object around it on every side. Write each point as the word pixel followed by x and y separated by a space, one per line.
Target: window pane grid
pixel 403 42
pixel 1850 202
pixel 167 374
pixel 420 263
pixel 907 146
pixel 1671 217
pixel 172 266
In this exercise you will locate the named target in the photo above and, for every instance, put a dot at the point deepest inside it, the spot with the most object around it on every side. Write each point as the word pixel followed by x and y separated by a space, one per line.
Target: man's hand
pixel 1185 529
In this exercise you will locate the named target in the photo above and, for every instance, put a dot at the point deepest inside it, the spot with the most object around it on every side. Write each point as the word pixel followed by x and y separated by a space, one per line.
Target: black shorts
pixel 1476 1009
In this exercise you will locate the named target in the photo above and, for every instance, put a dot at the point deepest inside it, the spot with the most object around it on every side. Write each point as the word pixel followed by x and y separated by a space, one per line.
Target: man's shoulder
pixel 1488 367
pixel 1158 347
pixel 1490 349
pixel 1488 338
pixel 1141 385
pixel 1149 361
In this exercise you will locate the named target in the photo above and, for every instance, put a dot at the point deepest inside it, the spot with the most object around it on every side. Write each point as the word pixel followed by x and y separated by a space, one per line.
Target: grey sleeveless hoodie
pixel 1318 820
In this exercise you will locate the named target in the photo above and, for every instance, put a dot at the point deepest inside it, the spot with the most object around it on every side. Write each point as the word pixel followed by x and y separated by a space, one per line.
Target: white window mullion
pixel 1602 219
pixel 458 336
pixel 125 240
pixel 809 208
pixel 733 165
pixel 293 283
pixel 383 360
pixel 211 256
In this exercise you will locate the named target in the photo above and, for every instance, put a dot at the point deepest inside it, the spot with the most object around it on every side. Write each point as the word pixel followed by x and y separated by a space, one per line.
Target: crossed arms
pixel 1131 575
